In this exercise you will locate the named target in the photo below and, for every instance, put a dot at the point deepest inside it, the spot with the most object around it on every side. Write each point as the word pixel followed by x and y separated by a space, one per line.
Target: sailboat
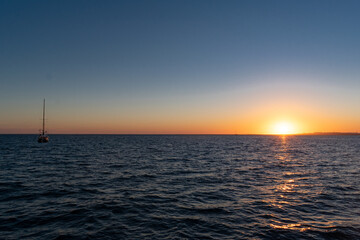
pixel 43 137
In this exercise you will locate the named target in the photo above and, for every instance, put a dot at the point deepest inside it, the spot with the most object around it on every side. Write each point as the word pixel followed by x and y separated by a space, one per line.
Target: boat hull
pixel 43 139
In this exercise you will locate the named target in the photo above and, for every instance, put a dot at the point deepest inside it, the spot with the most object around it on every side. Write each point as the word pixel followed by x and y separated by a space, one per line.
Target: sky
pixel 179 67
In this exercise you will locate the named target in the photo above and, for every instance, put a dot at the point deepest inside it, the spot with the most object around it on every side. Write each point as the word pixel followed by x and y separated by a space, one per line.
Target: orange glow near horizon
pixel 257 116
pixel 252 123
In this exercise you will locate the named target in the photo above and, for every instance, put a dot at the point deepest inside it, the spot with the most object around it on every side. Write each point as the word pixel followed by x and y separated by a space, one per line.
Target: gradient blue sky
pixel 178 66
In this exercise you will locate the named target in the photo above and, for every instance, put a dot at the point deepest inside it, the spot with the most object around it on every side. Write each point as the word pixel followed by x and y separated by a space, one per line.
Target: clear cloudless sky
pixel 179 66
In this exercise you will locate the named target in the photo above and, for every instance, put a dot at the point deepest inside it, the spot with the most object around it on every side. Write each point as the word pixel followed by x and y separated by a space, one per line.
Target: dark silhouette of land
pixel 330 133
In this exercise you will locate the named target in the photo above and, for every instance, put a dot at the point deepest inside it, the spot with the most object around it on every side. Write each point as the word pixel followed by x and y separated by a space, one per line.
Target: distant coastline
pixel 330 133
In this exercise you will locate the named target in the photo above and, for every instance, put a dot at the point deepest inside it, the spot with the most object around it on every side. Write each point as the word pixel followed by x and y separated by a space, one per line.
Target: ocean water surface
pixel 180 187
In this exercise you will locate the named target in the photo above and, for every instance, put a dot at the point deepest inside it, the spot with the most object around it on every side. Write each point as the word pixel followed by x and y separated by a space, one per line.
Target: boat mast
pixel 43 130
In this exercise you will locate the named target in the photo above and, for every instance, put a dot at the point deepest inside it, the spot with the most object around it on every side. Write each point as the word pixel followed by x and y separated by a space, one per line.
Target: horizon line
pixel 225 134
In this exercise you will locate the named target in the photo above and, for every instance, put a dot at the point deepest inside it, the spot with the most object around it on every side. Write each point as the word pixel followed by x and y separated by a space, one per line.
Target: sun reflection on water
pixel 285 189
pixel 288 186
pixel 291 226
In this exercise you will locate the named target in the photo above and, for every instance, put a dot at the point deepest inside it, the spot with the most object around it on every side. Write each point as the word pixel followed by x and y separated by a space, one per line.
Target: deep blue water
pixel 180 187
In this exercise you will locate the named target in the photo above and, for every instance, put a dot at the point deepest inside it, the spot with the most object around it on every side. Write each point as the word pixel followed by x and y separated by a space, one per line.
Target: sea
pixel 180 187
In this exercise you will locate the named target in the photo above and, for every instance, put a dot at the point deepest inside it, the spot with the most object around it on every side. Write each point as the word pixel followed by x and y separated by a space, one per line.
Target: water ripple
pixel 175 187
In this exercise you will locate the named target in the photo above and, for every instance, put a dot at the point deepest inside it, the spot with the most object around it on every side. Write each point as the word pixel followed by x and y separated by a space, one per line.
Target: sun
pixel 283 128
